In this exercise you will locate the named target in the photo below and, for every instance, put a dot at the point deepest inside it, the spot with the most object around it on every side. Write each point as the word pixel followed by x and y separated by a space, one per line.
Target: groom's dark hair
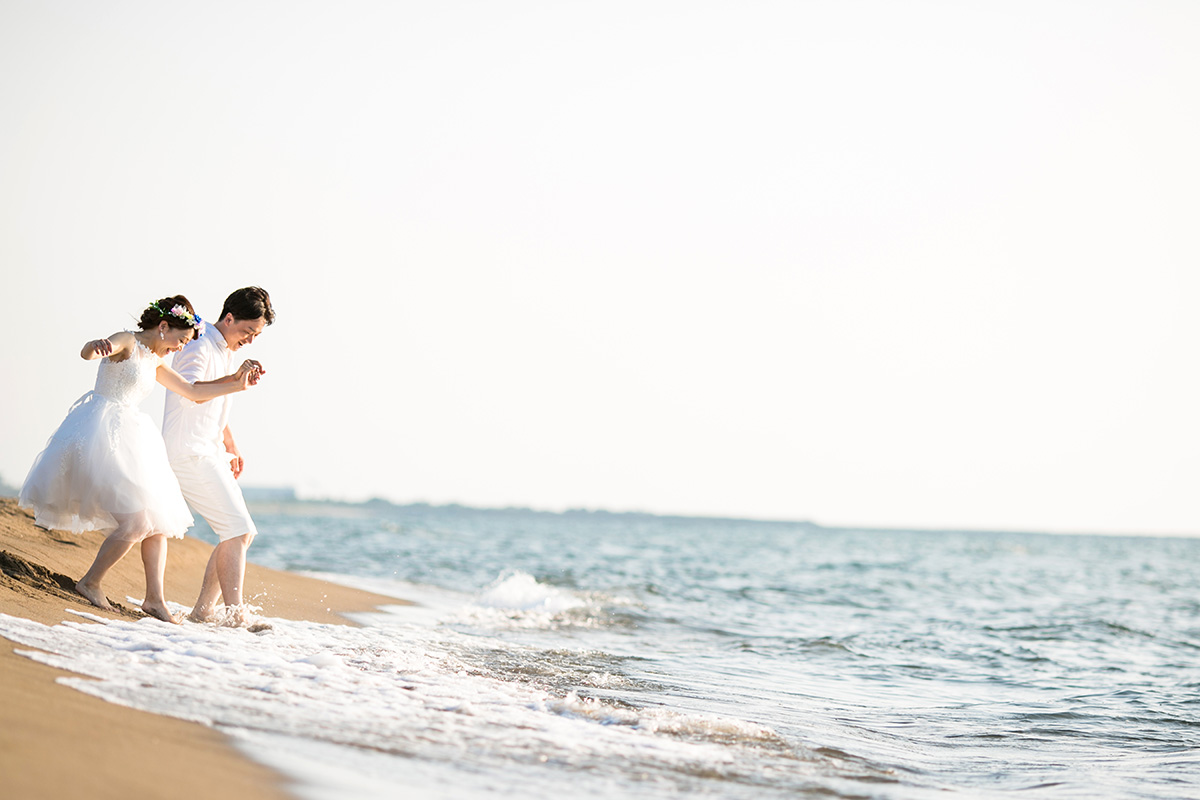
pixel 249 303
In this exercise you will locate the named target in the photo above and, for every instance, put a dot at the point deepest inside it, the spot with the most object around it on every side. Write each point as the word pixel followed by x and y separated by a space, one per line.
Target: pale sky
pixel 928 264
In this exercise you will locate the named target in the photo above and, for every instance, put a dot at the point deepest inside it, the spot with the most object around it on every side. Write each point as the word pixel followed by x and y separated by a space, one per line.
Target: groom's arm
pixel 235 463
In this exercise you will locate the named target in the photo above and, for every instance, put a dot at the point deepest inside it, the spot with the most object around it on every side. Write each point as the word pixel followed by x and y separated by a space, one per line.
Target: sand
pixel 57 742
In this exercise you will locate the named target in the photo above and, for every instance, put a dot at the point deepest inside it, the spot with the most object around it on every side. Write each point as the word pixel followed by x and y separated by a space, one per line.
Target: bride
pixel 105 468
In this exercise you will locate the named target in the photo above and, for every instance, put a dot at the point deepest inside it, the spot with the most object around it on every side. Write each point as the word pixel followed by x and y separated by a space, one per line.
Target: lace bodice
pixel 130 381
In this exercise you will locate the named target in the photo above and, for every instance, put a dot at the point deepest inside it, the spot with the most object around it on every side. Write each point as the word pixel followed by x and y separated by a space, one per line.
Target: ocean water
pixel 627 656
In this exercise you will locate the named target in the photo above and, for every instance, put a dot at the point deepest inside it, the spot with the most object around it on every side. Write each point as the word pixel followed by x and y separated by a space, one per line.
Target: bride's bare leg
pixel 111 551
pixel 154 561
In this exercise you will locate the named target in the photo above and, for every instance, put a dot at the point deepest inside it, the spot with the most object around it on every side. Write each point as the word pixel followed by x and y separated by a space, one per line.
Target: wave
pixel 520 591
pixel 701 727
pixel 517 600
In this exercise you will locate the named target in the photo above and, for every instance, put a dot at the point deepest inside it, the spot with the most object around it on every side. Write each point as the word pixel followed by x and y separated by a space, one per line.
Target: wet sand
pixel 58 742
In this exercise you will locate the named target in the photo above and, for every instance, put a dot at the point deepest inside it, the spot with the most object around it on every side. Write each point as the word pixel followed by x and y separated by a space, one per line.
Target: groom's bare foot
pixel 94 595
pixel 236 617
pixel 198 614
pixel 160 611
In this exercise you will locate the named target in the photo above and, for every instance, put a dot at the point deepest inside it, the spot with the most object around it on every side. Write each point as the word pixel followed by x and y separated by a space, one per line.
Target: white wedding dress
pixel 105 468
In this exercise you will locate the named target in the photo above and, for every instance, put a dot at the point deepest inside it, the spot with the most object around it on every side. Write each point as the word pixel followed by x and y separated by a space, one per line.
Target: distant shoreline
pixel 283 500
pixel 271 502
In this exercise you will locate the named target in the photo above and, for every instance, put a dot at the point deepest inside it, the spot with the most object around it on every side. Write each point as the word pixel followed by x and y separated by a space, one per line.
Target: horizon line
pixel 288 495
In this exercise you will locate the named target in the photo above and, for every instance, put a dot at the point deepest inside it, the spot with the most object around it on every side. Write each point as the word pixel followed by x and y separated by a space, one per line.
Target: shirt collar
pixel 218 337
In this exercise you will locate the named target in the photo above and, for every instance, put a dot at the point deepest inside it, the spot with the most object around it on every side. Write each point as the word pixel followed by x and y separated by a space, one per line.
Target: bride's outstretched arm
pixel 257 371
pixel 202 391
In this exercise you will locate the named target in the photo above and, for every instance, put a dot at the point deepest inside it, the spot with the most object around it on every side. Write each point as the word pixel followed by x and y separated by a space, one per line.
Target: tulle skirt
pixel 106 469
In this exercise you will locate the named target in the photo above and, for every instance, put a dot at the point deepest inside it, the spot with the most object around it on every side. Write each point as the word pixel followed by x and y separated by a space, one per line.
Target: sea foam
pixel 393 688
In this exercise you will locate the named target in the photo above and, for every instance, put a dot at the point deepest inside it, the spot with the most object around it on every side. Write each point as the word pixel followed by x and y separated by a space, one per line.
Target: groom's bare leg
pixel 231 568
pixel 210 591
pixel 224 577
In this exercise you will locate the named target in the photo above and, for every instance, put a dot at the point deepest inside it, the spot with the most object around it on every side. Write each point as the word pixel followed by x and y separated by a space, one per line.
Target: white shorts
pixel 208 485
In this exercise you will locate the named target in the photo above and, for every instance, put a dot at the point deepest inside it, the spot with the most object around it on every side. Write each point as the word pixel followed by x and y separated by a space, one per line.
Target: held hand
pixel 254 369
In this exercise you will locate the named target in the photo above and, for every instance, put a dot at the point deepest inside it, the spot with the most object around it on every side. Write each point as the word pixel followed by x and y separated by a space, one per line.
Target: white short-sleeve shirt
pixel 197 429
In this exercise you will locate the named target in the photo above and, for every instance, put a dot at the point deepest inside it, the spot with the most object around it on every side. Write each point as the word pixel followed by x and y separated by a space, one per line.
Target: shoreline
pixel 55 739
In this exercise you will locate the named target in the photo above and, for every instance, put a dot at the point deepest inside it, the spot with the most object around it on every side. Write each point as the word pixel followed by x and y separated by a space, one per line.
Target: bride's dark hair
pixel 160 310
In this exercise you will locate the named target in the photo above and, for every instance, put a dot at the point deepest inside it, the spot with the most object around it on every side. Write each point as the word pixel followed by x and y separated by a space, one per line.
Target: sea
pixel 606 655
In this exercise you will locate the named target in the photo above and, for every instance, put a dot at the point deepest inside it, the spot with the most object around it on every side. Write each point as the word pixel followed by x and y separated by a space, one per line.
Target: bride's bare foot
pixel 160 611
pixel 94 595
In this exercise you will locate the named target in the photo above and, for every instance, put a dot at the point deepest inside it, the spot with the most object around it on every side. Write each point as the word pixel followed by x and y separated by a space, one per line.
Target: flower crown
pixel 179 312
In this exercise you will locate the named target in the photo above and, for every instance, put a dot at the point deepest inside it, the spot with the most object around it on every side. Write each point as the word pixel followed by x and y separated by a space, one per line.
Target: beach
pixel 55 740
pixel 604 655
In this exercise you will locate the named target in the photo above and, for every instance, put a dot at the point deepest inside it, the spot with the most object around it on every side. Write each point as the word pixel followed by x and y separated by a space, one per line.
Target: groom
pixel 202 452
